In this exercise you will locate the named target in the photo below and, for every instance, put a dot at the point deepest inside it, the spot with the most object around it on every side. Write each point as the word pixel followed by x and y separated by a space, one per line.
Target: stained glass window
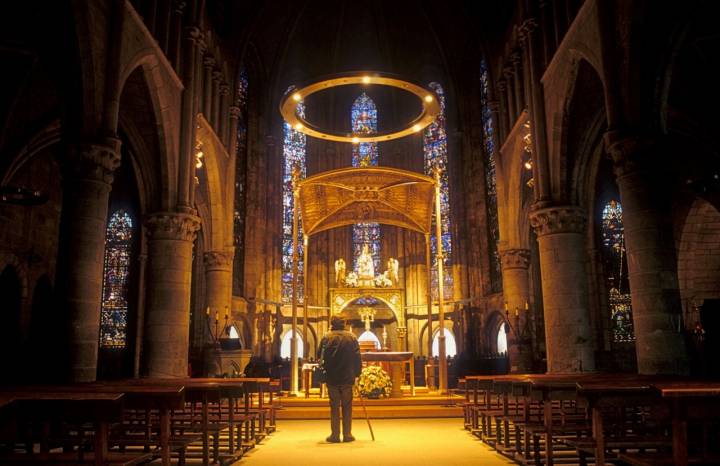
pixel 293 155
pixel 116 269
pixel 490 186
pixel 615 267
pixel 435 150
pixel 363 119
pixel 240 174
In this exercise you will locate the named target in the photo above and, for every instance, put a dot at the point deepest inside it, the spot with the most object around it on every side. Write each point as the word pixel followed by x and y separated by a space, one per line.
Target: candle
pixel 506 306
pixel 526 305
pixel 207 311
pixel 216 316
pixel 227 313
pixel 516 312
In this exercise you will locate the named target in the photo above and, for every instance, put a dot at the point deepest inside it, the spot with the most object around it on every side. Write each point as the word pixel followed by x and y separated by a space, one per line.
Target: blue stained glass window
pixel 490 186
pixel 116 269
pixel 240 180
pixel 436 154
pixel 615 268
pixel 293 154
pixel 363 119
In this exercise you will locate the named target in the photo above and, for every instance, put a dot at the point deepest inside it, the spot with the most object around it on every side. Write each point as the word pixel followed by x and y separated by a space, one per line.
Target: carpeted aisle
pixel 398 442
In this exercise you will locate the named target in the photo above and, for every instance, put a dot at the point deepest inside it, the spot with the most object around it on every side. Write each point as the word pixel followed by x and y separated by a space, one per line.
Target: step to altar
pixel 424 404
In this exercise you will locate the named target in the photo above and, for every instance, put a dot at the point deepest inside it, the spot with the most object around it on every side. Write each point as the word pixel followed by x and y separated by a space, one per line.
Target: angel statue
pixel 340 272
pixel 392 268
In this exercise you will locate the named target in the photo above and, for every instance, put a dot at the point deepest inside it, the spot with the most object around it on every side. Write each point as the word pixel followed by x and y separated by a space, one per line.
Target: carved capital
pixel 224 89
pixel 208 61
pixel 559 219
pixel 172 226
pixel 402 332
pixel 235 112
pixel 528 26
pixel 219 260
pixel 629 153
pixel 196 36
pixel 95 162
pixel 180 7
pixel 515 258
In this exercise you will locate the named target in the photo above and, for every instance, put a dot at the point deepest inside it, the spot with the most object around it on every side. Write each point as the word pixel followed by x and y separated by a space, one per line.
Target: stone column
pixel 207 92
pixel 568 334
pixel 167 315
pixel 652 261
pixel 516 291
pixel 218 280
pixel 87 178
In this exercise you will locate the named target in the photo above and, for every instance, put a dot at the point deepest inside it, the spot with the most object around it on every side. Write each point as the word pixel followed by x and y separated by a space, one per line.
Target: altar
pixel 396 359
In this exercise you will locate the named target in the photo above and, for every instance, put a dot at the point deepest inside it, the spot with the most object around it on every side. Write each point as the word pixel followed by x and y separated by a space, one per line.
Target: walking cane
pixel 372 434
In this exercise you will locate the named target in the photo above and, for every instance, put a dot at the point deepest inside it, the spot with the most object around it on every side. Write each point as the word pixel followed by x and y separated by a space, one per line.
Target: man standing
pixel 340 357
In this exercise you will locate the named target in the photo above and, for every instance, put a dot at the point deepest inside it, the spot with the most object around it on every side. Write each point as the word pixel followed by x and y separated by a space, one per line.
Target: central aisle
pixel 398 442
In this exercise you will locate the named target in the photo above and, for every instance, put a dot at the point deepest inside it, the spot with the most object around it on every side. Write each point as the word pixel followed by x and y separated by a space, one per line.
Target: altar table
pixel 395 358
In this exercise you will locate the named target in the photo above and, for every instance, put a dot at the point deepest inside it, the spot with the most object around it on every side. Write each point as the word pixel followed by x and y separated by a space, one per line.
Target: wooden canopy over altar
pixel 384 195
pixel 371 194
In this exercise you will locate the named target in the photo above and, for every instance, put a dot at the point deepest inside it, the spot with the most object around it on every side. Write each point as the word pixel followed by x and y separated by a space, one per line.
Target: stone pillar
pixel 167 315
pixel 218 280
pixel 207 92
pixel 516 291
pixel 651 256
pixel 568 334
pixel 87 178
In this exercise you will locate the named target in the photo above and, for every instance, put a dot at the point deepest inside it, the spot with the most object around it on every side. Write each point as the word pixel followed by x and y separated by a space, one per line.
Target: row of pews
pixel 619 419
pixel 135 421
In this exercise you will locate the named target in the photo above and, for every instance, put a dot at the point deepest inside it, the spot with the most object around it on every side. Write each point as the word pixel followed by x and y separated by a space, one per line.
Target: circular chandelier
pixel 291 99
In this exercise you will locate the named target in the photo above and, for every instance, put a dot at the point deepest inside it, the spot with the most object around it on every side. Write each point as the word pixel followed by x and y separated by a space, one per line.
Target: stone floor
pixel 398 442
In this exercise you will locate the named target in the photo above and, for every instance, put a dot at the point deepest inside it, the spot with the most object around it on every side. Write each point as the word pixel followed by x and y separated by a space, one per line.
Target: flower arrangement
pixel 351 280
pixel 382 280
pixel 374 382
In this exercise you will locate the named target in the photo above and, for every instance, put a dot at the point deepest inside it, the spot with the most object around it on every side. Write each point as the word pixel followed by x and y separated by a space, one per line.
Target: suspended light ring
pixel 428 99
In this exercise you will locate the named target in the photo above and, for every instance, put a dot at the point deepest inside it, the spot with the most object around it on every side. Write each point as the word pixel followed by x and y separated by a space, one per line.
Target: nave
pixel 398 442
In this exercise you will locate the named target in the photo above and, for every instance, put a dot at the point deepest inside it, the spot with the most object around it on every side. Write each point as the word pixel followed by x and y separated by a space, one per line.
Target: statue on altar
pixel 365 265
pixel 340 272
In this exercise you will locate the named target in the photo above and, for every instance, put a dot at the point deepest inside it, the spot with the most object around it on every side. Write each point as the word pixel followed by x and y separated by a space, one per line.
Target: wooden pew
pixel 688 401
pixel 77 408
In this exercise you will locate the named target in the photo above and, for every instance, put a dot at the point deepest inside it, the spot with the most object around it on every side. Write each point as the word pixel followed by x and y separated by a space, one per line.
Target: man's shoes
pixel 348 438
pixel 332 439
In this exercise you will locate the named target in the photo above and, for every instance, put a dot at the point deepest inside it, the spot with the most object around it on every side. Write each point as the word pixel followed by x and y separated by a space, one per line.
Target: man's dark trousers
pixel 340 396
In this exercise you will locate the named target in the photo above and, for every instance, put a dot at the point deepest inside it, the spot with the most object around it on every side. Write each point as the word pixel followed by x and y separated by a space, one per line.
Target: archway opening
pixel 450 344
pixel 502 344
pixel 372 320
pixel 286 344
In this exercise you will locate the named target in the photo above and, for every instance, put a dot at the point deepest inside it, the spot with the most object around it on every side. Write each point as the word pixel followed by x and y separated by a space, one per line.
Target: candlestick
pixel 526 305
pixel 506 307
pixel 216 317
pixel 516 311
pixel 207 311
pixel 227 313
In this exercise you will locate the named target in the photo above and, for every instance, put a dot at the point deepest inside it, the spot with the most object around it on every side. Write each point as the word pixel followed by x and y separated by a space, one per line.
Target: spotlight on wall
pixel 199 156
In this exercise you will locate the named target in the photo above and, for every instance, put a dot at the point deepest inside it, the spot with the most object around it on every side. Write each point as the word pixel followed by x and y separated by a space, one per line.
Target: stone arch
pixel 494 322
pixel 449 325
pixel 699 256
pixel 8 259
pixel 396 309
pixel 148 128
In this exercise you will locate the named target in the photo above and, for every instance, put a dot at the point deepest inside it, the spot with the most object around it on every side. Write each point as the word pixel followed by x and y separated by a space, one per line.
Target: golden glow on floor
pixel 398 442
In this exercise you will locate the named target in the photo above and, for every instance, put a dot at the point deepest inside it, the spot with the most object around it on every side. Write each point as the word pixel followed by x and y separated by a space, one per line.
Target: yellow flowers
pixel 374 382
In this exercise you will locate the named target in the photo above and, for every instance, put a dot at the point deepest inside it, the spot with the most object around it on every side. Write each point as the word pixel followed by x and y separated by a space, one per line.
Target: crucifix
pixel 367 315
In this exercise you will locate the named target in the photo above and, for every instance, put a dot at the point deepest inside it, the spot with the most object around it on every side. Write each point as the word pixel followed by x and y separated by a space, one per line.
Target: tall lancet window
pixel 293 154
pixel 436 153
pixel 240 182
pixel 116 270
pixel 490 186
pixel 363 118
pixel 615 267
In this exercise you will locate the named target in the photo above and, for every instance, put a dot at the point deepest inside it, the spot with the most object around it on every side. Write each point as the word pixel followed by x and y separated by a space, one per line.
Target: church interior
pixel 514 205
